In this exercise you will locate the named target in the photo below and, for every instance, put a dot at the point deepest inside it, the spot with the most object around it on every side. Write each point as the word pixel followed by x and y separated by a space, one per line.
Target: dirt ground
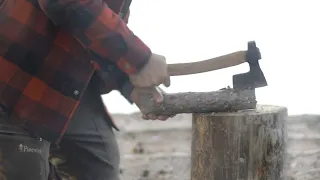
pixel 154 150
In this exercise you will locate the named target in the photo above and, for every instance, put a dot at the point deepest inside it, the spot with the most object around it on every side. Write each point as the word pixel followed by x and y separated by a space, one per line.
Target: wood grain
pixel 244 145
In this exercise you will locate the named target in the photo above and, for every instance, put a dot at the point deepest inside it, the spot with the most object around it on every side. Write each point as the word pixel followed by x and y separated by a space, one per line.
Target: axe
pixel 240 97
pixel 254 78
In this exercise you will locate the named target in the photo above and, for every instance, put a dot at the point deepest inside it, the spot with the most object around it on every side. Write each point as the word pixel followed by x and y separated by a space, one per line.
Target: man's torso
pixel 43 70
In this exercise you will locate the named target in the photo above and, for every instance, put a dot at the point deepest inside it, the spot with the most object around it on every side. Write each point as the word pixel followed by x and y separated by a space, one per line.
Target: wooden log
pixel 224 100
pixel 244 145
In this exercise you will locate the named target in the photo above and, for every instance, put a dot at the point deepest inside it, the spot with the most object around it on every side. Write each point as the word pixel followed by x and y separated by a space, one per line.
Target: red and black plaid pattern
pixel 49 50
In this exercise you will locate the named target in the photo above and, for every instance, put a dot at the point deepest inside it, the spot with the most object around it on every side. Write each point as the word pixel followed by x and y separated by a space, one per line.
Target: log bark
pixel 244 145
pixel 224 100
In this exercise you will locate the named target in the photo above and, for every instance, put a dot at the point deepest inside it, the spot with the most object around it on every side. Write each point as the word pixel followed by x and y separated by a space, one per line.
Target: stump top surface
pixel 260 110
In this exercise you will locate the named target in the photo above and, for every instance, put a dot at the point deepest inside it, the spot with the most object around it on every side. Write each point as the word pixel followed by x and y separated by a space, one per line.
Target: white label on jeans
pixel 26 149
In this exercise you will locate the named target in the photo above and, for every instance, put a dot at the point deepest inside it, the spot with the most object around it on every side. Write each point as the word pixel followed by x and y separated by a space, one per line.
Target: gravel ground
pixel 154 150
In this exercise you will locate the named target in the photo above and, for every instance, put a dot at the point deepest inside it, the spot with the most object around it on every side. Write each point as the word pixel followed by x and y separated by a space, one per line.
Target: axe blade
pixel 255 77
pixel 250 80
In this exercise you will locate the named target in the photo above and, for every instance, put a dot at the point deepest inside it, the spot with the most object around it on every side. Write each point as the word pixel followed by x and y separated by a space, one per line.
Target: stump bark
pixel 243 145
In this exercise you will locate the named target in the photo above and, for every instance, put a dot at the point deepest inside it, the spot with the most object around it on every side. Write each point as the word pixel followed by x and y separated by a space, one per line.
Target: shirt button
pixel 76 92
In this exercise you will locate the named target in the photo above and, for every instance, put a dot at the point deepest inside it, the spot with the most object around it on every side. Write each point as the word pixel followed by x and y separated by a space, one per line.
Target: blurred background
pixel 287 33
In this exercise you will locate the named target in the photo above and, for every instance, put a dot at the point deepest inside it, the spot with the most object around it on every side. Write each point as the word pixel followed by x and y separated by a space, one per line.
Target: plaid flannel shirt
pixel 49 51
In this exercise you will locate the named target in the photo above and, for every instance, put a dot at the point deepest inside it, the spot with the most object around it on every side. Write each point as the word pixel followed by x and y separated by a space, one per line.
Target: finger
pixel 163 118
pixel 157 95
pixel 145 117
pixel 167 81
pixel 157 81
pixel 152 117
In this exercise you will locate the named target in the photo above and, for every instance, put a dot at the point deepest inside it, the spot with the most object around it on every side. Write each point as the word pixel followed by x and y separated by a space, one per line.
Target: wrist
pixel 126 91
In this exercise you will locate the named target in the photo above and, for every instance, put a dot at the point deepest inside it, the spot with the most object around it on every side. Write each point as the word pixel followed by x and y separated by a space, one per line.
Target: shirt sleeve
pixel 126 18
pixel 99 30
pixel 115 79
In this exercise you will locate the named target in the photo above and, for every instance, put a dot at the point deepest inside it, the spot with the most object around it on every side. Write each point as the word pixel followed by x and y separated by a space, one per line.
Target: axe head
pixel 255 77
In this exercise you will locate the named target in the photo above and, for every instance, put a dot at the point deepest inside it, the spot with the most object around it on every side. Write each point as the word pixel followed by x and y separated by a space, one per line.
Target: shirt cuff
pixel 136 57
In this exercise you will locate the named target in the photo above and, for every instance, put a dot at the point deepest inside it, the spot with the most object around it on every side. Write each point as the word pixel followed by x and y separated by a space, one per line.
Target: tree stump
pixel 243 145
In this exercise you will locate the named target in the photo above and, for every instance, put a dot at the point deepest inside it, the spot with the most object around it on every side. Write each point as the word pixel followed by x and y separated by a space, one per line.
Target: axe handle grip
pixel 212 64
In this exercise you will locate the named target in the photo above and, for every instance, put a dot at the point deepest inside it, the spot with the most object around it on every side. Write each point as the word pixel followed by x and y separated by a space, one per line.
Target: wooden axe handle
pixel 216 63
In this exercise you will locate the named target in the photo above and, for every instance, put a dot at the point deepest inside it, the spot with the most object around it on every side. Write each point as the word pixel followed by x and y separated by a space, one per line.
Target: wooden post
pixel 244 145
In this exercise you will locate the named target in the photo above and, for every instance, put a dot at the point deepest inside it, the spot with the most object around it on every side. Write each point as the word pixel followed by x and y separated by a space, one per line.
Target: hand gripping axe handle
pixel 252 79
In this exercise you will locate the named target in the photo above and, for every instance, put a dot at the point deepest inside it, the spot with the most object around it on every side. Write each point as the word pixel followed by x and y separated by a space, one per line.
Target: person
pixel 56 60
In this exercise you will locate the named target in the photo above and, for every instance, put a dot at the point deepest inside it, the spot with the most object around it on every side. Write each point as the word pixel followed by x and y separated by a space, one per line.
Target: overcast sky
pixel 287 33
